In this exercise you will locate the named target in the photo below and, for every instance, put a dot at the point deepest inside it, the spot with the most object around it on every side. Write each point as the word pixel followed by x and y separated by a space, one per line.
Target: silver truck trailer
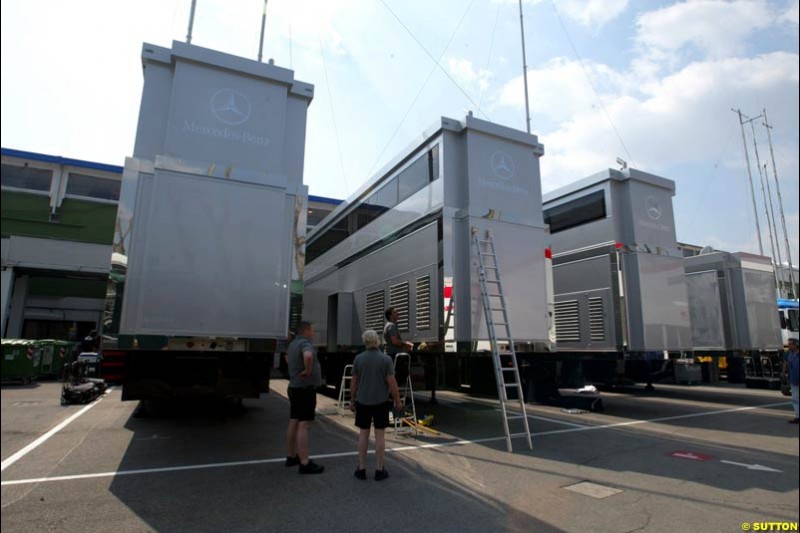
pixel 732 303
pixel 210 225
pixel 404 240
pixel 620 291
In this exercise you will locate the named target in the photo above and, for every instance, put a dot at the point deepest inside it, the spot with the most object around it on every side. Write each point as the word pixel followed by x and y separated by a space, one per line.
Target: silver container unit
pixel 210 224
pixel 404 240
pixel 732 303
pixel 617 272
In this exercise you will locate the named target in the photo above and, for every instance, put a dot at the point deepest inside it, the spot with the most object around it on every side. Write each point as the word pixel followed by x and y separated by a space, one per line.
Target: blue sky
pixel 664 75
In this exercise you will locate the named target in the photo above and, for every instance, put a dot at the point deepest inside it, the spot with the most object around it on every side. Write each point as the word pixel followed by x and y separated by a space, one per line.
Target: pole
pixel 766 205
pixel 775 232
pixel 524 69
pixel 191 23
pixel 263 27
pixel 750 176
pixel 780 205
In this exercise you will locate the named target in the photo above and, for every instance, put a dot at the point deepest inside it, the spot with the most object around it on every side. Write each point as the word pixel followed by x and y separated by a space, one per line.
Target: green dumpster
pixel 55 354
pixel 21 360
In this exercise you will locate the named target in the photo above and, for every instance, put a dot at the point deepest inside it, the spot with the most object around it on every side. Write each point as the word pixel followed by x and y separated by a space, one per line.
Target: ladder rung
pixel 510 384
pixel 514 417
pixel 491 267
pixel 497 309
pixel 508 368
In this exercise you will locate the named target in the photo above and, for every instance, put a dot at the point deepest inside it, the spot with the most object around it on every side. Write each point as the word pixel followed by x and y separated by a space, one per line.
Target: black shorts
pixel 302 403
pixel 366 415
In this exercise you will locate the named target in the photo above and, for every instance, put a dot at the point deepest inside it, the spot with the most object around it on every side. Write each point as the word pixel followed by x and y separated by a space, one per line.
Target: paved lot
pixel 674 460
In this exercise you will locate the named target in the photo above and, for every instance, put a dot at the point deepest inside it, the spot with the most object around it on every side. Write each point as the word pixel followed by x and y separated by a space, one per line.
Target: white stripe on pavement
pixel 41 440
pixel 388 450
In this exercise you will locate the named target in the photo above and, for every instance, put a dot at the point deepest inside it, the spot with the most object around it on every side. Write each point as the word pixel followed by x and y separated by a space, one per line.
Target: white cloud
pixel 559 89
pixel 464 72
pixel 679 118
pixel 588 13
pixel 592 13
pixel 792 14
pixel 716 27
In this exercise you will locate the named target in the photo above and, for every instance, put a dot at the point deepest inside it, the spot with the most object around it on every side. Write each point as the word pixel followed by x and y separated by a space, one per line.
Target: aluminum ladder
pixel 406 392
pixel 345 399
pixel 494 301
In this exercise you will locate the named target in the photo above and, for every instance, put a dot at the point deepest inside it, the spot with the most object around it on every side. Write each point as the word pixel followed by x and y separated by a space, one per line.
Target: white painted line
pixel 553 420
pixel 751 467
pixel 41 440
pixel 663 419
pixel 388 450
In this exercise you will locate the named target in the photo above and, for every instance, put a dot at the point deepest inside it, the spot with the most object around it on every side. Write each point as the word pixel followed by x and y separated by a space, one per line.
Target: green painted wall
pixel 28 214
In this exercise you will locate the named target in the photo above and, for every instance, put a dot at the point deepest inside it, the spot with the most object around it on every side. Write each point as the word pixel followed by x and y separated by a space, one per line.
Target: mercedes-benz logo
pixel 653 208
pixel 230 106
pixel 502 165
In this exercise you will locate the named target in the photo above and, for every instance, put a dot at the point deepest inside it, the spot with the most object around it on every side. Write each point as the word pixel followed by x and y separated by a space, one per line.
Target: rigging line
pixel 491 49
pixel 713 174
pixel 468 97
pixel 591 83
pixel 421 89
pixel 333 116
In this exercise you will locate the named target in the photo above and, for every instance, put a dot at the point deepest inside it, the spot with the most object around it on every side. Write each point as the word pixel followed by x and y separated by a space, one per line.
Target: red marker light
pixel 548 253
pixel 448 291
pixel 618 245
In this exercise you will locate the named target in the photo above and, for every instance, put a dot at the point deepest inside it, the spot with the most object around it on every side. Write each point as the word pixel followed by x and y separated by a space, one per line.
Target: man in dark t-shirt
pixel 391 335
pixel 305 375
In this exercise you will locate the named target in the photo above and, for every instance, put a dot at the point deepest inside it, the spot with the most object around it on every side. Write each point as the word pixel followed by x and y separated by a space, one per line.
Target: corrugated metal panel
pixel 375 309
pixel 597 319
pixel 568 327
pixel 398 298
pixel 423 301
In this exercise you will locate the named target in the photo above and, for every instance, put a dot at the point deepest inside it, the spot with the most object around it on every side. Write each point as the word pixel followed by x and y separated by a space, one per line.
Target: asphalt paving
pixel 677 458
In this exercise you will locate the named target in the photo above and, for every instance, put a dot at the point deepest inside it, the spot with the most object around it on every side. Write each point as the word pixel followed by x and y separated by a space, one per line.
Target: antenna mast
pixel 750 176
pixel 524 69
pixel 780 205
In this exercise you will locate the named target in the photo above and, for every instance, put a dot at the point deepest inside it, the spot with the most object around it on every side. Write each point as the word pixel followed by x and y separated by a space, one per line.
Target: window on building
pixel 26 177
pixel 415 177
pixel 316 215
pixel 93 186
pixel 576 212
pixel 327 240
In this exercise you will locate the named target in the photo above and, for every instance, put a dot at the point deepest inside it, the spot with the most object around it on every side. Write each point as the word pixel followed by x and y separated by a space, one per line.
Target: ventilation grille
pixel 568 328
pixel 398 299
pixel 375 309
pixel 597 319
pixel 423 314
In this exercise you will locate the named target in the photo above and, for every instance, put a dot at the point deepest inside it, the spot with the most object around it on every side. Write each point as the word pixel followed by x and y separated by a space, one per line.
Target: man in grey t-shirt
pixel 391 334
pixel 373 380
pixel 305 375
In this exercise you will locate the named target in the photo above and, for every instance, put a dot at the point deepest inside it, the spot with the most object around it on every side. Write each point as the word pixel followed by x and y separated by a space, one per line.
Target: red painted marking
pixel 692 456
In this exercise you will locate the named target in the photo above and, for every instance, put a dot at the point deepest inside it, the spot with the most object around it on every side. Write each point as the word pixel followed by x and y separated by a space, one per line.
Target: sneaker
pixel 380 475
pixel 361 473
pixel 311 468
pixel 292 461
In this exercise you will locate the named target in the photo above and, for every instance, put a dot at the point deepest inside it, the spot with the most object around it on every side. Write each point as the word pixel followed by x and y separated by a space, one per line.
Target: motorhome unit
pixel 732 303
pixel 618 275
pixel 209 234
pixel 405 240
